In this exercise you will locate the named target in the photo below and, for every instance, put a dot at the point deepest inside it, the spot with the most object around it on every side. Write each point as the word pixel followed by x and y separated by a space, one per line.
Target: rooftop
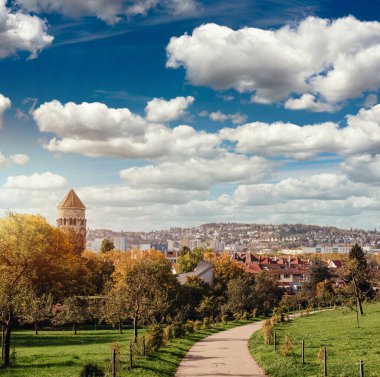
pixel 71 200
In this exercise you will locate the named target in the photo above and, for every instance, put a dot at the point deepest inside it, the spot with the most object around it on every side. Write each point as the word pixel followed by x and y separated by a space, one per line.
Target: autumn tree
pixel 146 279
pixel 225 269
pixel 318 273
pixel 73 311
pixel 34 256
pixel 36 309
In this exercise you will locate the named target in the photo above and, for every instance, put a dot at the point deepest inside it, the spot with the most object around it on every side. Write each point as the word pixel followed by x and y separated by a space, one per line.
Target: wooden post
pixel 130 355
pixel 324 361
pixel 303 352
pixel 361 368
pixel 144 346
pixel 113 363
pixel 274 340
pixel 2 341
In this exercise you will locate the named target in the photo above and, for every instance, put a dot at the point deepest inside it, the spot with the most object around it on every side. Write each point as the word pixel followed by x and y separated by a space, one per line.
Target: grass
pixel 346 345
pixel 62 354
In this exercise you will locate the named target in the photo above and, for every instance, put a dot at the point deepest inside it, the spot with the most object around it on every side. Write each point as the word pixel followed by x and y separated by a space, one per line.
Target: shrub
pixel 91 370
pixel 244 316
pixel 267 331
pixel 206 323
pixel 154 338
pixel 189 327
pixel 137 347
pixel 286 347
pixel 167 333
pixel 225 319
pixel 254 313
pixel 176 330
pixel 237 316
pixel 197 325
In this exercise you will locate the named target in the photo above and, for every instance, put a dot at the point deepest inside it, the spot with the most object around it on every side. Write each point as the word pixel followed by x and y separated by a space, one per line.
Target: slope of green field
pixel 62 354
pixel 346 345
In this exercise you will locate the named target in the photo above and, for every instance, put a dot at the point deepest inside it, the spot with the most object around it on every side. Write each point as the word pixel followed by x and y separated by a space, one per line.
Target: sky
pixel 164 113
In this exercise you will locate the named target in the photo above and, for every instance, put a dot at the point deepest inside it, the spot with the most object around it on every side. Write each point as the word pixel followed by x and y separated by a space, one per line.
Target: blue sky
pixel 180 112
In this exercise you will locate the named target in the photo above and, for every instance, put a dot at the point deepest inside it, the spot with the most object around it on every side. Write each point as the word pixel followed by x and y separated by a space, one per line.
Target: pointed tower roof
pixel 71 200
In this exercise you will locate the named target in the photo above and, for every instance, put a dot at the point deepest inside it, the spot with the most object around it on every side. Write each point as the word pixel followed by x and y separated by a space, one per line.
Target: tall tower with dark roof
pixel 72 214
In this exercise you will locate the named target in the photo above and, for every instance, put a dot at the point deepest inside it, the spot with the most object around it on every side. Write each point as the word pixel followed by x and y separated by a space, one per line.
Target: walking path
pixel 222 354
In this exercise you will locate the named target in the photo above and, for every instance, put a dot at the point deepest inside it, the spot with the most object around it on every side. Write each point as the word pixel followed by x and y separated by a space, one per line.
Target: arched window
pixel 75 221
pixel 64 222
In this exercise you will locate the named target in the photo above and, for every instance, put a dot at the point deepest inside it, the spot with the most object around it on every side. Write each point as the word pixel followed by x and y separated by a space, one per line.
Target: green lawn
pixel 346 345
pixel 62 354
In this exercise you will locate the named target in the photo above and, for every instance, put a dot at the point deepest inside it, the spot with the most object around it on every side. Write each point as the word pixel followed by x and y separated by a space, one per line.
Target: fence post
pixel 144 347
pixel 324 361
pixel 303 352
pixel 113 363
pixel 275 340
pixel 130 355
pixel 361 368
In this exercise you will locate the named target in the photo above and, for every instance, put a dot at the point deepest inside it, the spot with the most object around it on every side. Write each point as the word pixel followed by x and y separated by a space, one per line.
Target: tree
pixel 34 256
pixel 189 259
pixel 318 273
pixel 225 269
pixel 107 246
pixel 146 279
pixel 357 274
pixel 36 309
pixel 73 311
pixel 240 293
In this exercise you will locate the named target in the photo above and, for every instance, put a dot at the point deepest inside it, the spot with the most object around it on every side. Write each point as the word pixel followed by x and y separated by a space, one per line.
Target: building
pixel 204 271
pixel 71 214
pixel 121 243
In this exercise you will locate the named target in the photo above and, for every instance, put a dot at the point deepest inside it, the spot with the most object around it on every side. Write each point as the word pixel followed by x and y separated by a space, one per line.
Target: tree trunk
pixel 2 341
pixel 135 330
pixel 7 345
pixel 75 328
pixel 120 327
pixel 36 327
pixel 357 296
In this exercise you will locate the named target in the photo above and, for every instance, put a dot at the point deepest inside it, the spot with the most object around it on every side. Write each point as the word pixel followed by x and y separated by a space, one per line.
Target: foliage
pixel 106 246
pixel 286 347
pixel 225 270
pixel 91 370
pixel 188 259
pixel 154 338
pixel 267 331
pixel 318 273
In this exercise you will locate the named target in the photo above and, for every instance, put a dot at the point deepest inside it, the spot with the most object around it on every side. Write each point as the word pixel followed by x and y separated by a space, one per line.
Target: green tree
pixel 240 293
pixel 318 273
pixel 107 246
pixel 188 259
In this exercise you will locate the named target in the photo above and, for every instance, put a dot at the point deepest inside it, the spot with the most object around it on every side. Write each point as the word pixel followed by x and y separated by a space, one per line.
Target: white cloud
pixel 200 174
pixel 308 102
pixel 361 135
pixel 160 111
pixel 364 168
pixel 36 181
pixel 370 100
pixel 5 104
pixel 93 129
pixel 21 32
pixel 334 60
pixel 318 187
pixel 218 116
pixel 15 159
pixel 110 11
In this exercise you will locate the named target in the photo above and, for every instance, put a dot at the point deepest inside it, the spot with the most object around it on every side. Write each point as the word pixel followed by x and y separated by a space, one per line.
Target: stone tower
pixel 72 214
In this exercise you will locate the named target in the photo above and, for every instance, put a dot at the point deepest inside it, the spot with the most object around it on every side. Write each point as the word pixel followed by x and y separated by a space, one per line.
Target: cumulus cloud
pixel 5 104
pixel 21 32
pixel 360 135
pixel 36 181
pixel 110 11
pixel 160 111
pixel 309 102
pixel 334 60
pixel 93 129
pixel 15 159
pixel 218 116
pixel 200 174
pixel 364 168
pixel 319 187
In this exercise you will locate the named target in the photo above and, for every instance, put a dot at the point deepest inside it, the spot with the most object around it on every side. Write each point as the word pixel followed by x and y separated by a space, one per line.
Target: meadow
pixel 61 353
pixel 337 330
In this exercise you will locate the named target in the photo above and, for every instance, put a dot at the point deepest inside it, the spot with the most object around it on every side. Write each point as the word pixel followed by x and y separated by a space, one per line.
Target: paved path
pixel 222 354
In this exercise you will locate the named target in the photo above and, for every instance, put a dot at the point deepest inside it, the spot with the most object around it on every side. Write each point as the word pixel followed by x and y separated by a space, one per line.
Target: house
pixel 204 271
